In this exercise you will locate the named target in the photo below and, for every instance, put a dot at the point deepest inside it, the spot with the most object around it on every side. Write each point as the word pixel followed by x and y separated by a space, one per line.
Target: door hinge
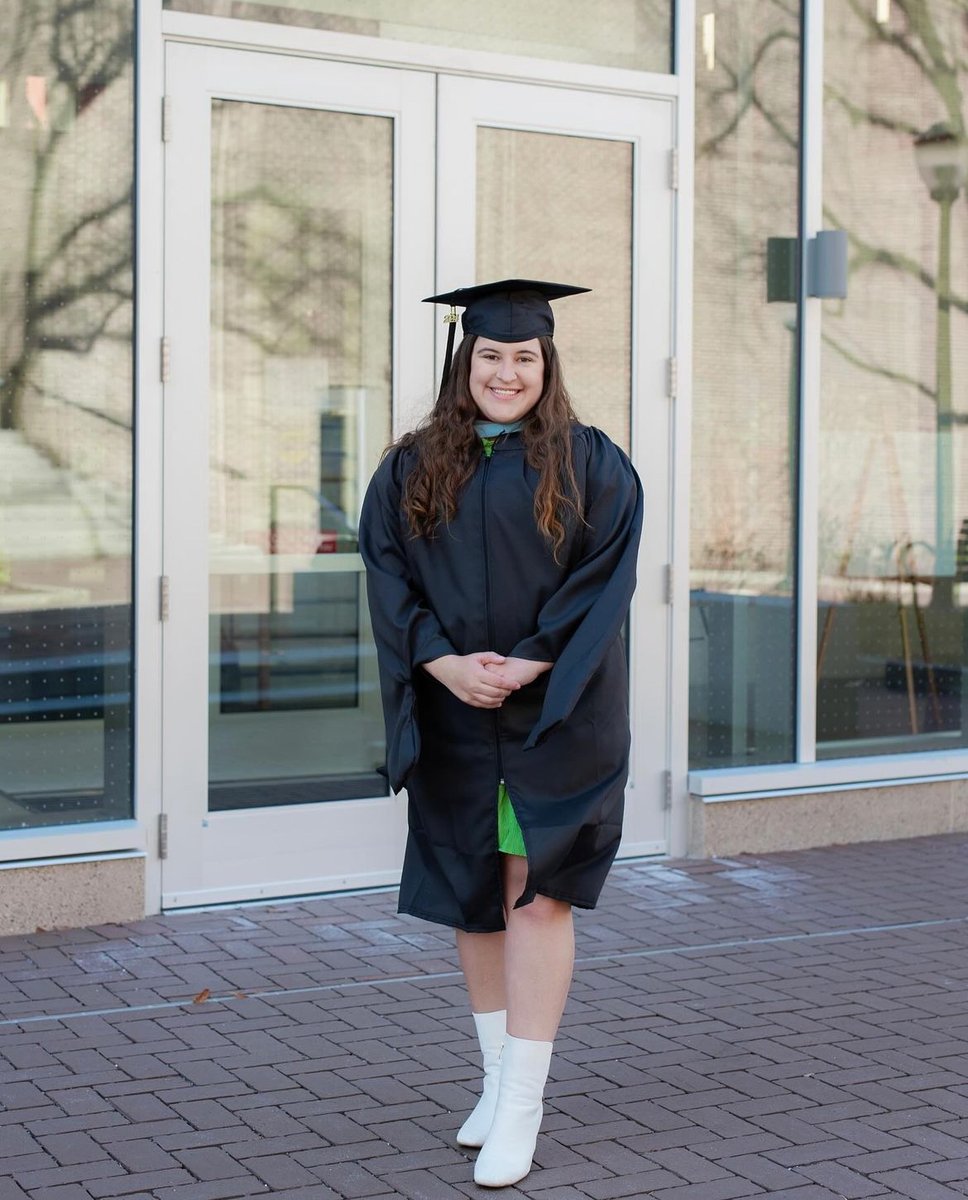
pixel 164 598
pixel 674 168
pixel 162 835
pixel 165 359
pixel 669 582
pixel 666 790
pixel 673 377
pixel 166 118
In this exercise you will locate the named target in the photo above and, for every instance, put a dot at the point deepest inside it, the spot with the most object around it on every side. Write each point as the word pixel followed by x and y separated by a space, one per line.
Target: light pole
pixel 940 155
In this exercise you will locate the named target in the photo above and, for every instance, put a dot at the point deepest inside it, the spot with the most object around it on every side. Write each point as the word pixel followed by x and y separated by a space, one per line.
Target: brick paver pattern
pixel 793 1025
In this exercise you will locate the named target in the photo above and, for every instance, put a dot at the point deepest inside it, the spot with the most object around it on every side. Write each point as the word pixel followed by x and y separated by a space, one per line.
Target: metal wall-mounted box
pixel 827 264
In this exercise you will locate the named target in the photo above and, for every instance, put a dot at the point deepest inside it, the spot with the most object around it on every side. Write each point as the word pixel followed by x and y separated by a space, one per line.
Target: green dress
pixel 510 840
pixel 509 837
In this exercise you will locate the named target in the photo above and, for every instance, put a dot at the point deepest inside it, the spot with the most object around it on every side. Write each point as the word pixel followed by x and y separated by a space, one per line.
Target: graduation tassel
pixel 451 320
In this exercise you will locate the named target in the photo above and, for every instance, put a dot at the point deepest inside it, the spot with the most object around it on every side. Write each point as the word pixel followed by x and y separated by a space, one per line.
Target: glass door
pixel 286 184
pixel 577 187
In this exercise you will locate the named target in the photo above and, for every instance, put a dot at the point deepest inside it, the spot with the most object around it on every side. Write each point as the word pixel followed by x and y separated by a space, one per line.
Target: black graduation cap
pixel 510 310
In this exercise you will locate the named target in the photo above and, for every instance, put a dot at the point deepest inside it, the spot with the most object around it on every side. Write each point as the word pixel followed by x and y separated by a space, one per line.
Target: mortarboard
pixel 510 310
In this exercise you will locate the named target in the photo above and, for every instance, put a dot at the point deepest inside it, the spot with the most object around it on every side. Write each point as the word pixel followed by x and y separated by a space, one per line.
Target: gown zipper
pixel 488 451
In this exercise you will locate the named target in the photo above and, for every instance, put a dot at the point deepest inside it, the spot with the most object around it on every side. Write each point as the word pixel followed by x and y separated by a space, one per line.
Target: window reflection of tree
pixel 70 286
pixel 747 141
pixel 929 37
pixel 291 274
pixel 66 255
pixel 892 635
pixel 891 71
pixel 742 630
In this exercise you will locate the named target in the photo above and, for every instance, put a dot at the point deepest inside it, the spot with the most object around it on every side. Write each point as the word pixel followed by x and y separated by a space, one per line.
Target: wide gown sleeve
pixel 581 620
pixel 405 628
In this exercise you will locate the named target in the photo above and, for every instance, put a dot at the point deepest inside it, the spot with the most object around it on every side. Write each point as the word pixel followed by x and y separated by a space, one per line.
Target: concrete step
pixel 48 512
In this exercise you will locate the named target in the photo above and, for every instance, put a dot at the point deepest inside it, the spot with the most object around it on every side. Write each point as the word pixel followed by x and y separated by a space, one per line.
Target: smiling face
pixel 506 378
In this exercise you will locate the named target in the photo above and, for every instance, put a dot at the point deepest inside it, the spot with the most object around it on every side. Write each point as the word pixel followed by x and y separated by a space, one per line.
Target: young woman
pixel 500 541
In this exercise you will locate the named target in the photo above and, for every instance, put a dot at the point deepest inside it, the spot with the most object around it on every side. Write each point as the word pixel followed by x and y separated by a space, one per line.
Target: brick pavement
pixel 794 1025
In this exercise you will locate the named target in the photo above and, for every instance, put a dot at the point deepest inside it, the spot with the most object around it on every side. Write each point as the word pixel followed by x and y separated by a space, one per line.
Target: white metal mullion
pixel 681 446
pixel 414 201
pixel 811 192
pixel 185 717
pixel 149 432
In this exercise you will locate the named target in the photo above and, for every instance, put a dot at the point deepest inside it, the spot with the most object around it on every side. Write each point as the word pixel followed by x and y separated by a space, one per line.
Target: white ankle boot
pixel 491 1029
pixel 509 1145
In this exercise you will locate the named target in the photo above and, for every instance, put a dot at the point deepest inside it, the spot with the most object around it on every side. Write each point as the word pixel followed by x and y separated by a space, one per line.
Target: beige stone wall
pixel 613 33
pixel 872 814
pixel 71 894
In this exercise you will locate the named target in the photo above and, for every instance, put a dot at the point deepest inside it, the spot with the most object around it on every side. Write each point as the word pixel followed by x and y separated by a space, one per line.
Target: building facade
pixel 221 217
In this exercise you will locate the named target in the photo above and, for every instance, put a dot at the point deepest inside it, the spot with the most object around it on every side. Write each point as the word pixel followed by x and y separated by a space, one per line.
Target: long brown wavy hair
pixel 449 449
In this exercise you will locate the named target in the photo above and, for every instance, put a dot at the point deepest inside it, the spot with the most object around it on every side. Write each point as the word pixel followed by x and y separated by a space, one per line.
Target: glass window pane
pixel 634 34
pixel 300 413
pixel 893 585
pixel 66 158
pixel 742 626
pixel 554 207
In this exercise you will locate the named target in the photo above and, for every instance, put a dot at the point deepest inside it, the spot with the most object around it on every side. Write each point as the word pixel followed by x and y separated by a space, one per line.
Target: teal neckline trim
pixel 493 429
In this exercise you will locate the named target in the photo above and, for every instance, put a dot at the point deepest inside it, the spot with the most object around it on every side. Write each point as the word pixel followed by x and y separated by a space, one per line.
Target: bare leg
pixel 482 961
pixel 539 956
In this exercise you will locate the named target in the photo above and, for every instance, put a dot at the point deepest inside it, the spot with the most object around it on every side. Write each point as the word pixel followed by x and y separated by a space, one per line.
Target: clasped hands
pixel 484 679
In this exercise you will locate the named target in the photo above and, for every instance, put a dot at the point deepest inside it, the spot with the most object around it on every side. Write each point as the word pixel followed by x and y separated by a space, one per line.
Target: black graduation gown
pixel 489 581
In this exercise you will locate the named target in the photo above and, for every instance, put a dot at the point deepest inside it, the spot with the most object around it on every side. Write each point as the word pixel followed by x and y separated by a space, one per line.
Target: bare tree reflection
pixel 893 492
pixel 67 278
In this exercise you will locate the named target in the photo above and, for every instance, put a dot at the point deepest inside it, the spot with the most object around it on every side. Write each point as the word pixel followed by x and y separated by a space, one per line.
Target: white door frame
pixel 290 849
